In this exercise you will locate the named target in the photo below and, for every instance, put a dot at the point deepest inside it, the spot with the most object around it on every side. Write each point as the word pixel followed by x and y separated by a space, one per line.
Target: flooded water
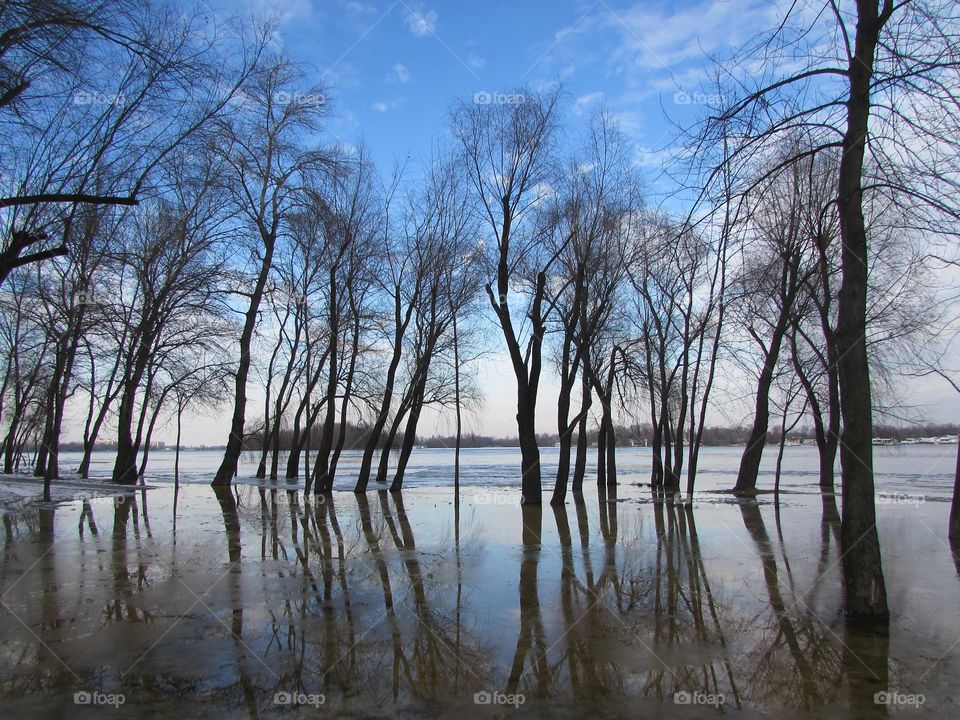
pixel 926 469
pixel 260 602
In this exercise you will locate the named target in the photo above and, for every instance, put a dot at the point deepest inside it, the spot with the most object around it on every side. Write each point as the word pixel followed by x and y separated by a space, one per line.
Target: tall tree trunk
pixel 416 405
pixel 866 594
pixel 373 439
pixel 321 469
pixel 580 465
pixel 150 426
pixel 459 429
pixel 611 453
pixel 681 425
pixel 90 437
pixel 347 390
pixel 530 487
pixel 176 457
pixel 384 465
pixel 125 466
pixel 954 533
pixel 409 438
pixel 231 456
pixel 568 376
pixel 526 368
pixel 757 440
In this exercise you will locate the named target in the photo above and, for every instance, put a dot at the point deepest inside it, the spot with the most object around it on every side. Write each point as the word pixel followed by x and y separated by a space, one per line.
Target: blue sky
pixel 395 66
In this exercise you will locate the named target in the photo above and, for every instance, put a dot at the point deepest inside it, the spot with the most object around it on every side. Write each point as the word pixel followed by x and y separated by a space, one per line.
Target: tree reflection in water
pixel 388 604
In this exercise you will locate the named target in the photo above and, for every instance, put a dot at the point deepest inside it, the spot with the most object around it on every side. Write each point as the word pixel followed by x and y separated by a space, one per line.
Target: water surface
pixel 263 603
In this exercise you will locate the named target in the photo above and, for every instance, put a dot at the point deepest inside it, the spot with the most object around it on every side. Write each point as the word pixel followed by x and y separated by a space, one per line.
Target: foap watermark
pixel 698 698
pixel 494 498
pixel 86 296
pixel 485 97
pixel 886 497
pixel 498 698
pixel 86 495
pixel 85 97
pixel 85 697
pixel 894 697
pixel 305 99
pixel 682 97
pixel 298 698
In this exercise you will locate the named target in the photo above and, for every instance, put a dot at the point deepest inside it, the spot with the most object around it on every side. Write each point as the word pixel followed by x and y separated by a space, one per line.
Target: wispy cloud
pixel 401 73
pixel 382 106
pixel 421 22
pixel 475 61
pixel 585 102
pixel 355 7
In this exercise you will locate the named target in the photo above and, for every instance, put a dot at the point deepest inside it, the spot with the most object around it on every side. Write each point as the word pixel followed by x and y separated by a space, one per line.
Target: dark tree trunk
pixel 150 426
pixel 954 534
pixel 825 438
pixel 756 441
pixel 384 465
pixel 321 470
pixel 666 445
pixel 866 595
pixel 125 466
pixel 347 391
pixel 298 439
pixel 267 425
pixel 828 458
pixel 231 456
pixel 530 487
pixel 526 368
pixel 656 419
pixel 602 454
pixel 90 439
pixel 373 439
pixel 60 389
pixel 656 454
pixel 611 453
pixel 681 424
pixel 580 465
pixel 176 457
pixel 568 377
pixel 416 405
pixel 409 438
pixel 459 423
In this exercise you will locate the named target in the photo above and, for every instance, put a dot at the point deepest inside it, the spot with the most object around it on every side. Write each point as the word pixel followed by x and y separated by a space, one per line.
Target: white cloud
pixel 355 7
pixel 422 23
pixel 382 106
pixel 401 73
pixel 475 61
pixel 585 102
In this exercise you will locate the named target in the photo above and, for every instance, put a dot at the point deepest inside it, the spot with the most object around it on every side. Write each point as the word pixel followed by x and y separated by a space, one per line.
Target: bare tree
pixel 24 348
pixel 896 63
pixel 449 268
pixel 507 150
pixel 770 289
pixel 123 85
pixel 591 230
pixel 172 252
pixel 267 165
